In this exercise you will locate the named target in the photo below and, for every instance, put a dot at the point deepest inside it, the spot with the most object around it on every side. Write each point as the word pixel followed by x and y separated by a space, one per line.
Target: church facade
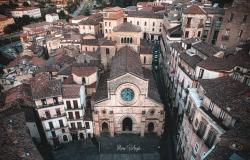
pixel 127 99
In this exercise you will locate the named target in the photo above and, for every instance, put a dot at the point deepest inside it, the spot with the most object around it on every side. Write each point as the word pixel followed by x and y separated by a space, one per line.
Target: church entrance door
pixel 127 124
pixel 105 127
pixel 151 127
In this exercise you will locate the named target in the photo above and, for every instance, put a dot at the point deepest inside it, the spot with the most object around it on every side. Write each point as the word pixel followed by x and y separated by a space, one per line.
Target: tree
pixel 86 10
pixel 11 28
pixel 26 4
pixel 62 15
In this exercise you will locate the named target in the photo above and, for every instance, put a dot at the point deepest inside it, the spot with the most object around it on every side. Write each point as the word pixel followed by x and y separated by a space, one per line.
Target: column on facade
pixel 112 127
pixel 96 124
pixel 142 126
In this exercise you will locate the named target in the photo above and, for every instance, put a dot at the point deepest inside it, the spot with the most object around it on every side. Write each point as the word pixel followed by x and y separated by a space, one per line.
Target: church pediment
pixel 128 78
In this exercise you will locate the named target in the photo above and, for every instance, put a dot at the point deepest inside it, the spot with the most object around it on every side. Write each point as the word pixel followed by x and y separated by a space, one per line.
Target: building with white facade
pixel 112 17
pixel 51 17
pixel 30 11
pixel 150 23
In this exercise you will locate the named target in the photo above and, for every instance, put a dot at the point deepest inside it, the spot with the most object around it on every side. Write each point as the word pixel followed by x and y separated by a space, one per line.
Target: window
pixel 240 33
pixel 222 115
pixel 107 50
pixel 210 138
pixel 68 104
pixel 199 33
pixel 160 30
pixel 86 48
pixel 144 60
pixel 44 102
pixel 47 113
pixel 201 73
pixel 58 112
pixel 244 19
pixel 109 23
pixel 211 106
pixel 77 115
pixel 138 23
pixel 131 22
pixel 152 112
pixel 63 130
pixel 145 23
pixel 71 115
pixel 87 125
pixel 73 125
pixel 122 40
pixel 188 22
pixel 153 29
pixel 65 138
pixel 105 23
pixel 61 123
pixel 79 125
pixel 51 126
pixel 231 17
pixel 201 129
pixel 83 80
pixel 196 148
pixel 106 31
pixel 75 103
pixel 130 40
pixel 53 133
pixel 186 34
pixel 153 23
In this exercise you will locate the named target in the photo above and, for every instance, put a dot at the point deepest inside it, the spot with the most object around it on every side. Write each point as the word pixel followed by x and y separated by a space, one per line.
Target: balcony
pixel 225 37
pixel 56 128
pixel 74 118
pixel 192 77
pixel 210 115
pixel 50 105
pixel 71 109
pixel 53 117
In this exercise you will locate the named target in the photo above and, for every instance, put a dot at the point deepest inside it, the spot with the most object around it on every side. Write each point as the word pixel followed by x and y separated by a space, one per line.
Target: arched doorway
pixel 127 124
pixel 151 127
pixel 105 127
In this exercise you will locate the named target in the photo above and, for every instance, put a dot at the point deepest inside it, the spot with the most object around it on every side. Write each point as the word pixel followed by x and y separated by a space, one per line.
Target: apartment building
pixel 208 119
pixel 234 28
pixel 202 22
pixel 74 98
pixel 150 23
pixel 29 11
pixel 112 17
pixel 47 95
pixel 89 26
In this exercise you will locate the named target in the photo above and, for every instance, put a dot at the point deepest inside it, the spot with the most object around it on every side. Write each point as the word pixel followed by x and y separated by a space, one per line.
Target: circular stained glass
pixel 127 94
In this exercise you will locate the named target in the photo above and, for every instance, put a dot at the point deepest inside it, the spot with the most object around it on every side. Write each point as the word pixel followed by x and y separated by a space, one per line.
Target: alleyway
pixel 168 141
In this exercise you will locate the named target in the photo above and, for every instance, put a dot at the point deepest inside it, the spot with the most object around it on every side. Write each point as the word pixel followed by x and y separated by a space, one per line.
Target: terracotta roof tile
pixel 194 9
pixel 127 27
pixel 71 91
pixel 84 71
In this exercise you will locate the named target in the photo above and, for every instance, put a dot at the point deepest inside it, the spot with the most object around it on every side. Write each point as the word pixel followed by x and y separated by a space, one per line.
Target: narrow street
pixel 168 144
